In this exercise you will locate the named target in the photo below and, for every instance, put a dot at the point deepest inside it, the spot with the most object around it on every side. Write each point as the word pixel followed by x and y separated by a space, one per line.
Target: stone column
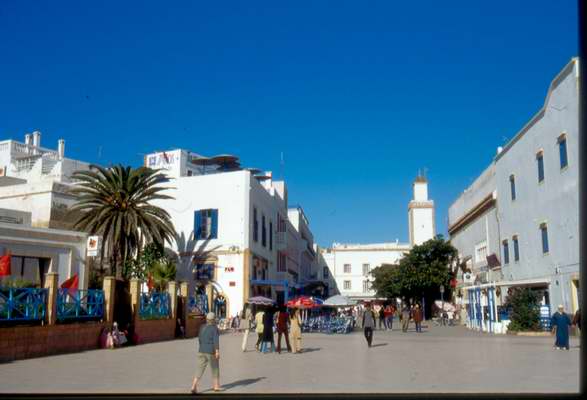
pixel 184 292
pixel 109 286
pixel 135 297
pixel 210 295
pixel 52 286
pixel 172 290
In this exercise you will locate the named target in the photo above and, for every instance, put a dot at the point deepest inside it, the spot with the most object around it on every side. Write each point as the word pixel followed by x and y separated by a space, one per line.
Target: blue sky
pixel 357 95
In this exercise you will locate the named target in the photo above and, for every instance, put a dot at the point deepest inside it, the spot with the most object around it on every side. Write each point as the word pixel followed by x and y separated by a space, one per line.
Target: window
pixel 544 232
pixel 347 268
pixel 325 272
pixel 347 285
pixel 281 262
pixel 540 164
pixel 513 186
pixel 270 235
pixel 263 232
pixel 204 271
pixel 255 225
pixel 190 173
pixel 481 252
pixel 562 150
pixel 206 224
pixel 366 269
pixel 516 249
pixel 506 252
pixel 366 286
pixel 32 269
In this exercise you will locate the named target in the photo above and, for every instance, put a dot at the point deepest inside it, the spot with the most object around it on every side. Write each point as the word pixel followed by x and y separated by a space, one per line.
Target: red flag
pixel 71 284
pixel 5 265
pixel 150 283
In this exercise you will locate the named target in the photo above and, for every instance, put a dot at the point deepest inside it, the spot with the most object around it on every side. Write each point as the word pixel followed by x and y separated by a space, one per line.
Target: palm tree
pixel 115 203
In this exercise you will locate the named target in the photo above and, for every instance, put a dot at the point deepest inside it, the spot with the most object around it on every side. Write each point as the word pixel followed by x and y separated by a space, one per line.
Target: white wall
pixel 336 260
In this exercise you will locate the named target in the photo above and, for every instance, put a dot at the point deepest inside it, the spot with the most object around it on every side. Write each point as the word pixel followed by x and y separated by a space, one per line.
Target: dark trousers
pixel 369 335
pixel 390 322
pixel 382 324
pixel 418 326
pixel 284 333
pixel 259 339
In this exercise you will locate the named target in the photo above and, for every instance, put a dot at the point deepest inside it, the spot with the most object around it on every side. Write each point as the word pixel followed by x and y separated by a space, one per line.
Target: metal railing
pixel 154 305
pixel 80 304
pixel 197 303
pixel 23 304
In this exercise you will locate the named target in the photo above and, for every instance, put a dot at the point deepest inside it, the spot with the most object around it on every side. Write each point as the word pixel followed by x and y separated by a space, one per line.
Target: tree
pixel 524 310
pixel 116 204
pixel 386 281
pixel 420 273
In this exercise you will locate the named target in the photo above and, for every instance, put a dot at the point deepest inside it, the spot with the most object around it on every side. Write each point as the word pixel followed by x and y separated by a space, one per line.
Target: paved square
pixel 441 359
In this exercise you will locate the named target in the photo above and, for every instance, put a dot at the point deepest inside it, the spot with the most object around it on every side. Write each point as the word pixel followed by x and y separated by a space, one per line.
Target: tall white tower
pixel 421 213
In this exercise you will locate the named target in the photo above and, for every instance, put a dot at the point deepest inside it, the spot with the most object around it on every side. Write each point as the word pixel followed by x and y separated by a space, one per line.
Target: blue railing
pixel 23 304
pixel 154 305
pixel 199 303
pixel 80 304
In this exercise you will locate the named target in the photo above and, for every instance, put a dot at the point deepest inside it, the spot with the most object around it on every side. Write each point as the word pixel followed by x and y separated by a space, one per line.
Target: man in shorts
pixel 209 353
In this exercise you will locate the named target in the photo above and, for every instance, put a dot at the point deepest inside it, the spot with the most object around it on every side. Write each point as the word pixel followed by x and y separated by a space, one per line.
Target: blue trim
pixel 23 304
pixel 80 304
pixel 154 305
pixel 214 233
pixel 197 224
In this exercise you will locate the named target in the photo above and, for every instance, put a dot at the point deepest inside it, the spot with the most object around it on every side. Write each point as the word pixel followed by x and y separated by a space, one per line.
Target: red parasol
pixel 303 302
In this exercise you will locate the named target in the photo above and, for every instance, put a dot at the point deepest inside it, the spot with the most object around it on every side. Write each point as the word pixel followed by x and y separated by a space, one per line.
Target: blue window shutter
pixel 214 234
pixel 198 224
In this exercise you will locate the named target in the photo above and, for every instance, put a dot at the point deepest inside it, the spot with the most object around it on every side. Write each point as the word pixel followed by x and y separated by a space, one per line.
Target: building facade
pixel 532 212
pixel 36 251
pixel 237 236
pixel 37 180
pixel 348 266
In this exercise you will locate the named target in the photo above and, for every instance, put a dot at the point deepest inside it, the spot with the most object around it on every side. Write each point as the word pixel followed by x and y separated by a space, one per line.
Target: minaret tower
pixel 421 213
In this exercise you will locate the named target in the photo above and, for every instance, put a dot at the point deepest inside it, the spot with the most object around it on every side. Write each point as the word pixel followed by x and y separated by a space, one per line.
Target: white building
pixel 347 266
pixel 238 238
pixel 35 179
pixel 524 208
pixel 36 251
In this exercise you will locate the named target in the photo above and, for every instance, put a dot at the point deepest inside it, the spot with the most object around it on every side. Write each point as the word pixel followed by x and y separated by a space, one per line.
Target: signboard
pixel 162 160
pixel 93 245
pixel 228 269
pixel 469 277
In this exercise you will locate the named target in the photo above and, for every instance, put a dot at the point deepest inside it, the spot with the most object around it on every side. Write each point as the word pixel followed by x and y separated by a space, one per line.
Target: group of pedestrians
pixel 269 322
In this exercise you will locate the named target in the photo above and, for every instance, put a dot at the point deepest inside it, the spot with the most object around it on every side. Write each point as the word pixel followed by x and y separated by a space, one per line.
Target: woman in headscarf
pixel 268 330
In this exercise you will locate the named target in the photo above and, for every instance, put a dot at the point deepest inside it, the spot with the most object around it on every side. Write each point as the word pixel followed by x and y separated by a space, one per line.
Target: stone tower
pixel 421 213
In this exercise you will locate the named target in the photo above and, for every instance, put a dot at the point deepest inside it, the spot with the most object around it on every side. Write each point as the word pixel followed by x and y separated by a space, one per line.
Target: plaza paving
pixel 441 359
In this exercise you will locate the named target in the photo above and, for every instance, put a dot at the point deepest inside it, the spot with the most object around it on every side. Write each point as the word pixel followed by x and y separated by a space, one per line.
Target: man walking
pixel 382 324
pixel 405 317
pixel 369 320
pixel 417 316
pixel 282 319
pixel 389 311
pixel 560 323
pixel 208 353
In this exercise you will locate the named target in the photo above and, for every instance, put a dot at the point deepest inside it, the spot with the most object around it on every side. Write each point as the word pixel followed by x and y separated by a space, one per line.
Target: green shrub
pixel 525 311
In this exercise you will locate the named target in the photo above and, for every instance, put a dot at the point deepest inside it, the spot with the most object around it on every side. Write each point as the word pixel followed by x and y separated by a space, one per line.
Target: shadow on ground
pixel 310 349
pixel 242 382
pixel 379 345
